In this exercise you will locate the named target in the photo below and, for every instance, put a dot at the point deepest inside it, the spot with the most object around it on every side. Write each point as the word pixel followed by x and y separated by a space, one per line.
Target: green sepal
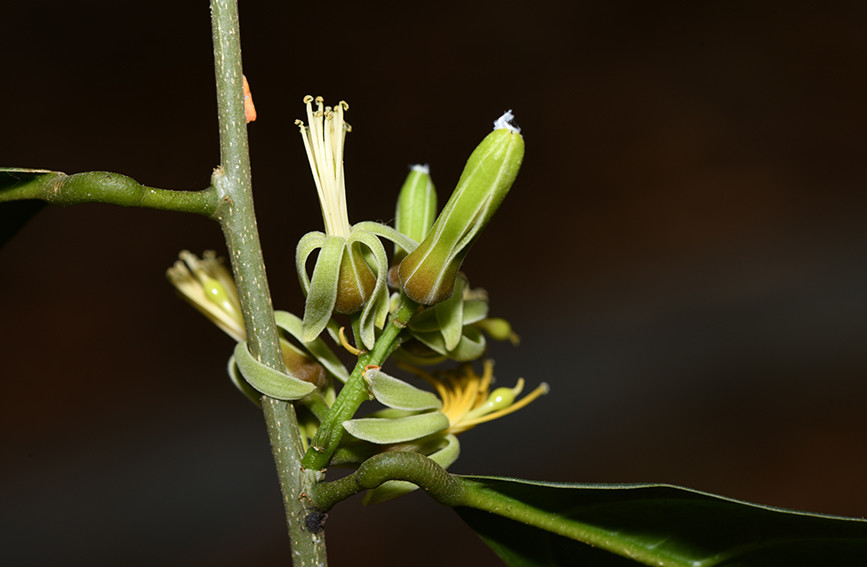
pixel 399 430
pixel 391 489
pixel 395 393
pixel 267 380
pixel 322 293
pixel 317 347
pixel 242 385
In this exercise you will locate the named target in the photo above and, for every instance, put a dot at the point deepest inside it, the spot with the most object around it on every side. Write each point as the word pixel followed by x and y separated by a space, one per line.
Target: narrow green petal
pixel 425 321
pixel 368 315
pixel 243 386
pixel 471 346
pixel 387 232
pixel 395 393
pixel 308 243
pixel 322 293
pixel 385 431
pixel 450 315
pixel 267 380
pixel 475 310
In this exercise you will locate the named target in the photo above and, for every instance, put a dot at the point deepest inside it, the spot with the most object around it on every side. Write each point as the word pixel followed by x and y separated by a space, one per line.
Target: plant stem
pixel 104 187
pixel 398 465
pixel 354 392
pixel 237 217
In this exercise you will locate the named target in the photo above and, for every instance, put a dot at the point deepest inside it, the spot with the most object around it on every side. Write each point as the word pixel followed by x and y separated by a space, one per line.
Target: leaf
pixel 395 393
pixel 15 214
pixel 398 430
pixel 267 380
pixel 529 524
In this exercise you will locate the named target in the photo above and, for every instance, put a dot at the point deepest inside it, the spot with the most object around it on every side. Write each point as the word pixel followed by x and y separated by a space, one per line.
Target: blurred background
pixel 683 255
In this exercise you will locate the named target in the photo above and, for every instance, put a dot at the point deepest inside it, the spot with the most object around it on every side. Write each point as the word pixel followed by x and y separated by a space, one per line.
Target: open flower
pixel 342 281
pixel 468 400
pixel 418 420
pixel 209 287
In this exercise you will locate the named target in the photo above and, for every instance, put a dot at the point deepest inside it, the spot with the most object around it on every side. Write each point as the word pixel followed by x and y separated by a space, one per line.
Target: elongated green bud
pixel 416 208
pixel 428 273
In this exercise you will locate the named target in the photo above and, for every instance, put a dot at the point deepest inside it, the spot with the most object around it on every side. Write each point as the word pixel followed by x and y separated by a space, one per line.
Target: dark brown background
pixel 683 254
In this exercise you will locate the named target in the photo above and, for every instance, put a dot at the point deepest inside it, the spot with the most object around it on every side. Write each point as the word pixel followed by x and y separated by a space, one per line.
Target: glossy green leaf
pixel 15 214
pixel 395 393
pixel 267 380
pixel 399 430
pixel 529 524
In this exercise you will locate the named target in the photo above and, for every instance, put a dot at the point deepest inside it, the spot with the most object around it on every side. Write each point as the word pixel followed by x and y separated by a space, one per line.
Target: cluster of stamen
pixel 324 137
pixel 467 399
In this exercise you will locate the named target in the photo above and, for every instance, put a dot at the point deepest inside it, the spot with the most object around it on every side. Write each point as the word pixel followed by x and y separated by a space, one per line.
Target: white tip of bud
pixel 505 121
pixel 421 168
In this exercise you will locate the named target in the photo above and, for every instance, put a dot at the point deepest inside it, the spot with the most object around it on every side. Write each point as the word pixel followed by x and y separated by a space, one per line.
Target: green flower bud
pixel 428 273
pixel 416 208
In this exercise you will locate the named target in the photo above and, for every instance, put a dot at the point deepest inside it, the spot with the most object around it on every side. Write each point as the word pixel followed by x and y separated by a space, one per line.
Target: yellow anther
pixel 344 104
pixel 308 99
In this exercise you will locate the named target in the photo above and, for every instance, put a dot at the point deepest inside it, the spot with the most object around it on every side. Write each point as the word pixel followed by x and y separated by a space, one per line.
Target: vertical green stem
pixel 236 214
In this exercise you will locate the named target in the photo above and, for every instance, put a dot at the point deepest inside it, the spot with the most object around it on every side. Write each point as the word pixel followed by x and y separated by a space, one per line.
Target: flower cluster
pixel 417 305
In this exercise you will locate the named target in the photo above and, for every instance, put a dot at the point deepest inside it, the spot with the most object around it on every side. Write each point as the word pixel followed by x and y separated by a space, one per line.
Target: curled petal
pixel 308 243
pixel 398 430
pixel 322 293
pixel 395 393
pixel 267 380
pixel 369 315
pixel 387 232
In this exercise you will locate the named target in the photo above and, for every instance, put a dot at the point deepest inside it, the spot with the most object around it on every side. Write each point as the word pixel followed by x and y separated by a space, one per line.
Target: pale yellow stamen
pixel 324 138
